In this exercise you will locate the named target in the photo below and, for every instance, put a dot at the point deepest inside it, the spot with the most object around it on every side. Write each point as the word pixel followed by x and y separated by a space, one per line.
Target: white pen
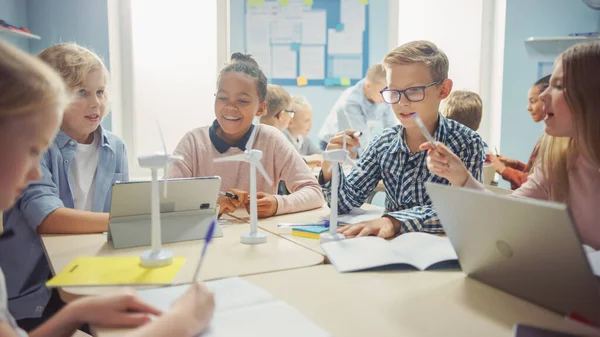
pixel 424 130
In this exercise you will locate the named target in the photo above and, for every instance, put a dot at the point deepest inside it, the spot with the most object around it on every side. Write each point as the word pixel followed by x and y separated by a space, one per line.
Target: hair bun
pixel 243 58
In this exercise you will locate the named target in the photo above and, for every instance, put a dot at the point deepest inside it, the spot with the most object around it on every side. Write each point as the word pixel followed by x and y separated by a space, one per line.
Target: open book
pixel 242 309
pixel 419 250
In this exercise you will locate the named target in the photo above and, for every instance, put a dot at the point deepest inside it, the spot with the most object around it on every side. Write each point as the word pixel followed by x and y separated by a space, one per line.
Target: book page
pixel 271 319
pixel 423 250
pixel 361 253
pixel 230 293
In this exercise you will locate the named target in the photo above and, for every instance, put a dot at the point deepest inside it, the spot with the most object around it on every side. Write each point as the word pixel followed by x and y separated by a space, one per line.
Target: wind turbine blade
pixel 251 139
pixel 237 157
pixel 353 164
pixel 162 139
pixel 262 171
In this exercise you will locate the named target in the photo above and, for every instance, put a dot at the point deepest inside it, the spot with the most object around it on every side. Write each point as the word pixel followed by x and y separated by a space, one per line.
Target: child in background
pixel 417 79
pixel 512 170
pixel 32 100
pixel 464 107
pixel 360 107
pixel 297 131
pixel 569 154
pixel 73 196
pixel 241 95
pixel 279 108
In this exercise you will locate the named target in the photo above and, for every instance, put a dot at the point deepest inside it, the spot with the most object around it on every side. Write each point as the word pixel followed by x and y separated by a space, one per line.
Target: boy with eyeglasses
pixel 279 112
pixel 360 107
pixel 417 80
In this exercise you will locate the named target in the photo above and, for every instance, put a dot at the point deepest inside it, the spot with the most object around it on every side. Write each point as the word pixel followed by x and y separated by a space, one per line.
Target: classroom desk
pixel 270 225
pixel 226 257
pixel 402 303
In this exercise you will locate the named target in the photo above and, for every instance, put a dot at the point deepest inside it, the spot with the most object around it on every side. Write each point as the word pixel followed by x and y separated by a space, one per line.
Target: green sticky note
pixel 345 81
pixel 283 3
pixel 308 2
pixel 364 2
pixel 256 3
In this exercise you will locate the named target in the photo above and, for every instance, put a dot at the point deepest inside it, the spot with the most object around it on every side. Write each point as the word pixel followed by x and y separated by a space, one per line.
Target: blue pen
pixel 209 236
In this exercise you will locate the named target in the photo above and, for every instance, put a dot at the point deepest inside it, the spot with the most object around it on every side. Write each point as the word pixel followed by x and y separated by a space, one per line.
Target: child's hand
pixel 229 205
pixel 337 143
pixel 195 307
pixel 266 205
pixel 383 227
pixel 444 163
pixel 498 164
pixel 122 310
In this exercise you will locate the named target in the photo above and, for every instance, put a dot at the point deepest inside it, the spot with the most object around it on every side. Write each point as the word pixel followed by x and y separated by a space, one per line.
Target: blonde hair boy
pixel 464 107
pixel 417 81
pixel 279 111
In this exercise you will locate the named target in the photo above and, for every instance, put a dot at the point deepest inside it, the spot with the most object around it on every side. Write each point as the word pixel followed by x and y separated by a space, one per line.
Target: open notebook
pixel 242 309
pixel 419 250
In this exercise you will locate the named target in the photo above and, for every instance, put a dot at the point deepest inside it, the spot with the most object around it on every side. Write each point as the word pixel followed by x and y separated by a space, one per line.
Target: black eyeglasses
pixel 413 94
pixel 290 111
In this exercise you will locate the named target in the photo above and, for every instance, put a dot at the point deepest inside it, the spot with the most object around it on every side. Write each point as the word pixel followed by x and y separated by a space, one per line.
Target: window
pixel 166 73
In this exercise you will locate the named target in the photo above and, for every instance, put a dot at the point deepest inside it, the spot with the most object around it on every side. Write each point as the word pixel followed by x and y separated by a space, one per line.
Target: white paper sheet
pixel 284 62
pixel 357 215
pixel 346 42
pixel 312 62
pixel 314 27
pixel 352 14
pixel 350 68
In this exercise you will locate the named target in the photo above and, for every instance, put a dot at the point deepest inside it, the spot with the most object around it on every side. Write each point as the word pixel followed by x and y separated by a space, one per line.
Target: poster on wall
pixel 309 42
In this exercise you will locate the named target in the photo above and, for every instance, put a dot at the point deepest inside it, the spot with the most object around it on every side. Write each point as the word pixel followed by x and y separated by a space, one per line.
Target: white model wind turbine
pixel 336 157
pixel 157 256
pixel 252 157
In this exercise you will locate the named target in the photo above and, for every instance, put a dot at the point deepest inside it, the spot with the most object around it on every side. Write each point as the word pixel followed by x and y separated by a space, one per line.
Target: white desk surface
pixel 402 303
pixel 270 225
pixel 226 256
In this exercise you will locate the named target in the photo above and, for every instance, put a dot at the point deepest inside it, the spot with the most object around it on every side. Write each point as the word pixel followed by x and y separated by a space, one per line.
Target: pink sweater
pixel 583 200
pixel 280 160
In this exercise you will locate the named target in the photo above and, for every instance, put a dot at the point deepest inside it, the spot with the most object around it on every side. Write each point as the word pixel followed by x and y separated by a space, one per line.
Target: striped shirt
pixel 404 174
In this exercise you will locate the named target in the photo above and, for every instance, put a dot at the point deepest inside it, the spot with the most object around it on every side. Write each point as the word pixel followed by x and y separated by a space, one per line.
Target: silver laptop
pixel 186 212
pixel 528 248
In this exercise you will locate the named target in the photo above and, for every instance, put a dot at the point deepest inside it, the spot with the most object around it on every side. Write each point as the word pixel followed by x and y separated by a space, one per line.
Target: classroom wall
pixel 83 22
pixel 321 98
pixel 15 12
pixel 525 18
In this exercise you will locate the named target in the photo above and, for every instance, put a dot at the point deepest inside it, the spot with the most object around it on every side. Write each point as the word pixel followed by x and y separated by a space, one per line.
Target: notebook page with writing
pixel 229 293
pixel 271 319
pixel 424 250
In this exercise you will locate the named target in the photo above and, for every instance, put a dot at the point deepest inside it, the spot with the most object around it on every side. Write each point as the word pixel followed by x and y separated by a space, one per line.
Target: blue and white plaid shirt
pixel 404 174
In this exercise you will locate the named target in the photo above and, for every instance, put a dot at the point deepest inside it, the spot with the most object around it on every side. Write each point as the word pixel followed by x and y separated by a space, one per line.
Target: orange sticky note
pixel 301 81
pixel 345 81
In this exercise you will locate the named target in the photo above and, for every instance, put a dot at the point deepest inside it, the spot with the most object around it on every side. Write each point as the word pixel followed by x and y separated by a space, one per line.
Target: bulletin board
pixel 309 42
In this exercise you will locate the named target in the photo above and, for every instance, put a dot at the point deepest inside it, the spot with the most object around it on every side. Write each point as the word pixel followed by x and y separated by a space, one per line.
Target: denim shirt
pixel 22 256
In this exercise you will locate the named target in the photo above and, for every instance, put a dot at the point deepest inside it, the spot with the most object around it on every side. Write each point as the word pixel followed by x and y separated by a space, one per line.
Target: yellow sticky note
pixel 256 3
pixel 284 3
pixel 345 81
pixel 308 2
pixel 301 81
pixel 364 2
pixel 94 271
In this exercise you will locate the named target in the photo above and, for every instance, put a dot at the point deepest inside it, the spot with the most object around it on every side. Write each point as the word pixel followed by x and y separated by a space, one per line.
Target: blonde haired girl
pixel 569 154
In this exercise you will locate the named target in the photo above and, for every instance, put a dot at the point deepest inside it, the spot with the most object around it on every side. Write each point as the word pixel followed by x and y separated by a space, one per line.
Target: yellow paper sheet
pixel 345 81
pixel 301 81
pixel 94 271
